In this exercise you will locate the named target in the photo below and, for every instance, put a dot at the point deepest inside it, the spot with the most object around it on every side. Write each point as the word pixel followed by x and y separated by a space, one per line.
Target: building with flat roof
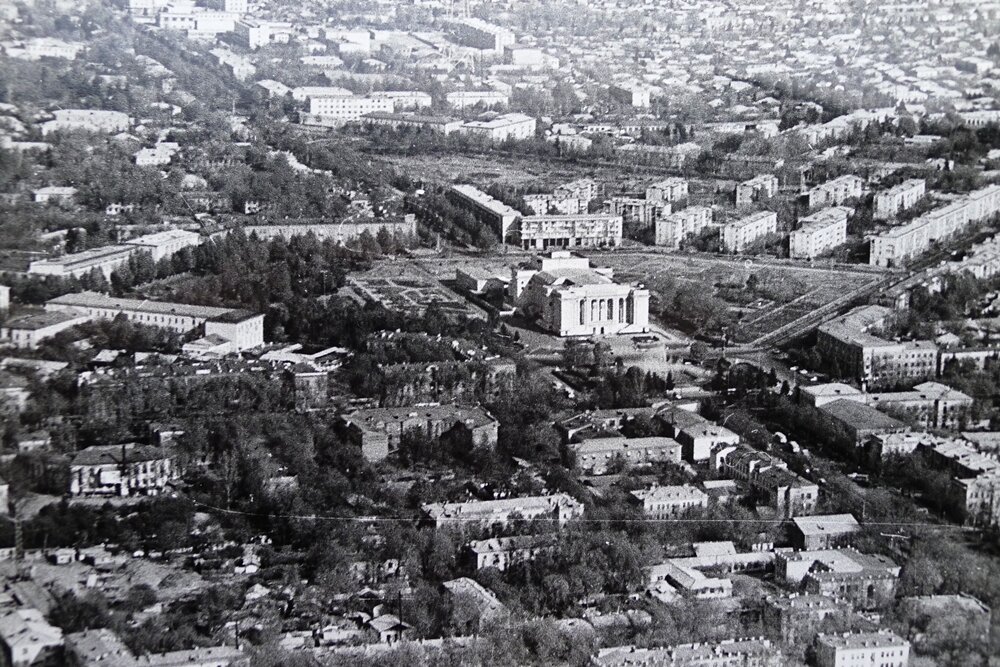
pixel 584 230
pixel 502 552
pixel 819 233
pixel 698 436
pixel 836 192
pixel 27 331
pixel 740 234
pixel 883 648
pixel 347 109
pixel 242 329
pixel 464 99
pixel 675 227
pixel 671 190
pixel 121 470
pixel 890 203
pixel 379 431
pixel 441 124
pixel 931 404
pixel 569 298
pixel 341 232
pixel 480 34
pixel 166 243
pixel 78 264
pixel 668 502
pixel 798 618
pixel 558 508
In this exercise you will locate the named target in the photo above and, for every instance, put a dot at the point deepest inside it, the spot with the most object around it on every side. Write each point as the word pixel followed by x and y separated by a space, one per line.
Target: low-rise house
pixel 122 470
pixel 389 629
pixel 667 502
pixel 681 575
pixel 883 648
pixel 28 640
pixel 27 331
pixel 726 653
pixel 558 508
pixel 379 431
pixel 606 420
pixel 103 648
pixel 597 455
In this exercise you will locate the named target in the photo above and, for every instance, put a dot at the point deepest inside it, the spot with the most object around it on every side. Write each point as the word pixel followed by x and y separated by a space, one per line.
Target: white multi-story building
pixel 569 298
pixel 121 470
pixel 254 34
pixel 479 34
pixel 897 199
pixel 882 648
pixel 586 230
pixel 502 552
pixel 403 99
pixel 836 192
pixel 674 228
pixel 105 259
pixel 667 190
pixel 635 209
pixel 27 331
pixel 667 502
pixel 817 233
pixel 88 120
pixel 464 99
pixel 915 237
pixel 511 126
pixel 560 508
pixel 739 235
pixel 43 47
pixel 165 244
pixel 499 216
pixel 763 186
pixel 307 93
pixel 594 456
pixel 242 329
pixel 348 108
pixel 634 95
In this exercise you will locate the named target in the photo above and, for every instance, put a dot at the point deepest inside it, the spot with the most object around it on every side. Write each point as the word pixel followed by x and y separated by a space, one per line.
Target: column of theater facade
pixel 603 310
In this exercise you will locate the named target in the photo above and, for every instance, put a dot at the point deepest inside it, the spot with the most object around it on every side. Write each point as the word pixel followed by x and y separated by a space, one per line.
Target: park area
pixel 406 288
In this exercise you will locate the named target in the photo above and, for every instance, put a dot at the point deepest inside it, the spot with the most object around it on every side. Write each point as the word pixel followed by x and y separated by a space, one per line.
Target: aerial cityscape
pixel 633 333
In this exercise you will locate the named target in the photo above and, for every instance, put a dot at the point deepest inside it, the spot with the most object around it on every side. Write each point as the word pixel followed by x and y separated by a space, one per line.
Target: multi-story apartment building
pixel 634 95
pixel 348 108
pixel 479 34
pixel 769 479
pixel 511 126
pixel 403 99
pixel 502 218
pixel 866 581
pixel 667 502
pixel 582 188
pixel 668 190
pixel 379 431
pixel 88 120
pixel 635 209
pixel 242 329
pixel 932 404
pixel 883 648
pixel 847 346
pixel 568 199
pixel 570 299
pixel 836 192
pixel 915 237
pixel 797 618
pixel 121 470
pixel 594 456
pixel 341 232
pixel 727 653
pixel 75 265
pixel 698 436
pixel 674 228
pixel 440 124
pixel 818 233
pixel 895 200
pixel 559 508
pixel 586 230
pixel 464 99
pixel 502 552
pixel 740 234
pixel 763 186
pixel 253 33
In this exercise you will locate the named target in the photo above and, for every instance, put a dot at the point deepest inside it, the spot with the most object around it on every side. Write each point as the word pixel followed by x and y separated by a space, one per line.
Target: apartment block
pixel 28 331
pixel 836 192
pixel 635 209
pixel 667 502
pixel 499 216
pixel 866 581
pixel 769 479
pixel 819 233
pixel 559 509
pixel 798 618
pixel 674 228
pixel 667 190
pixel 348 108
pixel 379 431
pixel 502 552
pixel 895 200
pixel 480 34
pixel 739 235
pixel 757 188
pixel 697 435
pixel 442 125
pixel 506 127
pixel 121 470
pixel 899 244
pixel 726 653
pixel 883 648
pixel 164 244
pixel 465 99
pixel 75 265
pixel 594 456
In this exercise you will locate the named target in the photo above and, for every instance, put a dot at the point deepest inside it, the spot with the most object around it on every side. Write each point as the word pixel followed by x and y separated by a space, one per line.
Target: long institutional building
pixel 740 234
pixel 907 241
pixel 243 330
pixel 570 298
pixel 108 258
pixel 820 232
pixel 341 232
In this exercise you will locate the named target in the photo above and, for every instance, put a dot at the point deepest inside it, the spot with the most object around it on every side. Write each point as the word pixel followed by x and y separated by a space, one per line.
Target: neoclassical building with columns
pixel 570 298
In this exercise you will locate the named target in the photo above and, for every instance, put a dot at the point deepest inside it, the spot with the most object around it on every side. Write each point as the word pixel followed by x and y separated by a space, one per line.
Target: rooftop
pixel 118 454
pixel 826 524
pixel 880 639
pixel 96 300
pixel 862 417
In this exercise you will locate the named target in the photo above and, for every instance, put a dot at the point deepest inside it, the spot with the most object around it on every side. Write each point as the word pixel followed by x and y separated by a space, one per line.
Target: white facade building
pixel 587 230
pixel 513 126
pixel 893 201
pixel 739 235
pixel 883 648
pixel 469 98
pixel 759 187
pixel 836 192
pixel 667 502
pixel 667 190
pixel 348 108
pixel 817 233
pixel 674 228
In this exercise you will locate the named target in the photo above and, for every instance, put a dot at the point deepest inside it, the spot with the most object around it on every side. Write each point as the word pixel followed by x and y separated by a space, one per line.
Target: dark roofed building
pixel 378 431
